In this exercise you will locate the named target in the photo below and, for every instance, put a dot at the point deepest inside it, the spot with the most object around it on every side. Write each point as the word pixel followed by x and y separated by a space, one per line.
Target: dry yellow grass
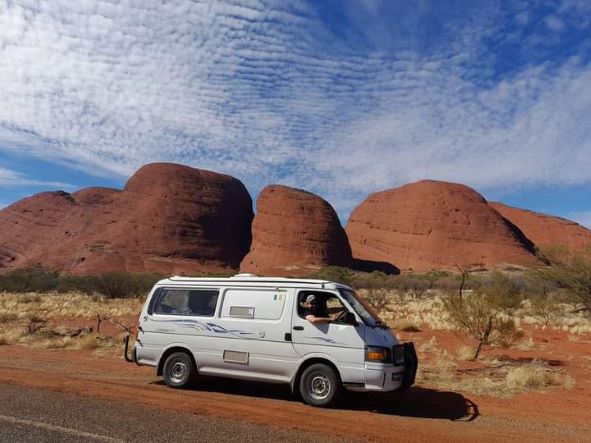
pixel 536 376
pixel 19 312
pixel 496 379
pixel 50 306
pixel 404 324
pixel 428 311
pixel 464 353
pixel 526 344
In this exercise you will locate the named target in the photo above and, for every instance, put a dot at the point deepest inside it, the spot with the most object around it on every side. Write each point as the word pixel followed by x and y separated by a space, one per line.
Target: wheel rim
pixel 178 371
pixel 319 387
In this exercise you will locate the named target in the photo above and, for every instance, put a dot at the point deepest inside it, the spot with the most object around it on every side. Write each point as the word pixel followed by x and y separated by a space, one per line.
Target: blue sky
pixel 341 98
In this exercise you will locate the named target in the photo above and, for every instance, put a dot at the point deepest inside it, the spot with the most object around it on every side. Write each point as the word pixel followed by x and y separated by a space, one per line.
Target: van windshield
pixel 362 308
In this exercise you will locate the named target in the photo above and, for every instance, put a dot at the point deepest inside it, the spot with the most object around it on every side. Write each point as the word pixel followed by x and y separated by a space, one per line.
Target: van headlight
pixel 378 354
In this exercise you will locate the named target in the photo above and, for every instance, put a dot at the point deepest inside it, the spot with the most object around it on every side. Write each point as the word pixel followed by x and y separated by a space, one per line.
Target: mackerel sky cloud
pixel 340 98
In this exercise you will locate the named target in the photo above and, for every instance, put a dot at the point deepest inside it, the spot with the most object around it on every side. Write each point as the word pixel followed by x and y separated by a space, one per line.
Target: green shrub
pixel 76 283
pixel 29 280
pixel 110 284
pixel 337 274
pixel 570 273
pixel 123 284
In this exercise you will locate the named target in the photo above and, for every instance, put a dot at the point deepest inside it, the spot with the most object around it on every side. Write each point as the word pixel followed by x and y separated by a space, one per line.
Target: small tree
pixel 378 298
pixel 542 296
pixel 484 314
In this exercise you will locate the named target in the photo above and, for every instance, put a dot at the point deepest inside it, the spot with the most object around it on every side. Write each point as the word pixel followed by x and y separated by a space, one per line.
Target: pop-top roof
pixel 251 279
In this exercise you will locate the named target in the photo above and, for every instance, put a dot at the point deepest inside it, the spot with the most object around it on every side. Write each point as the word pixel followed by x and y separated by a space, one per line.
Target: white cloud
pixel 531 129
pixel 262 91
pixel 554 23
pixel 11 178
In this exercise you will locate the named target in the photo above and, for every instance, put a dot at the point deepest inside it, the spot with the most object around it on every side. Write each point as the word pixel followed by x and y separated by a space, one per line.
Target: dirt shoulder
pixel 419 415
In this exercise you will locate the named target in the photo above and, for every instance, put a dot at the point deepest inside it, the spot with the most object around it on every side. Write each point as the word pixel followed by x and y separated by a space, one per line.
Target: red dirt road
pixel 422 414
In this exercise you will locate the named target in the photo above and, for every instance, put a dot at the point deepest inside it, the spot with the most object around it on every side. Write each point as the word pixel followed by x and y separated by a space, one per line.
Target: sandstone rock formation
pixel 169 218
pixel 546 230
pixel 294 233
pixel 435 225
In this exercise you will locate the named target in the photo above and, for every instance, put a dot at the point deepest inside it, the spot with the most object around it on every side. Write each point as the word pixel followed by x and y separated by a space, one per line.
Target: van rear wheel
pixel 320 385
pixel 179 370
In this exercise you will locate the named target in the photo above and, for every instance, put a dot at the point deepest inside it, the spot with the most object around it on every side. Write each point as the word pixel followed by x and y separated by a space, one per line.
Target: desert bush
pixel 484 314
pixel 378 298
pixel 122 284
pixel 405 325
pixel 29 280
pixel 110 284
pixel 571 274
pixel 504 293
pixel 337 274
pixel 544 305
pixel 371 280
pixel 414 284
pixel 36 323
pixel 76 283
pixel 534 376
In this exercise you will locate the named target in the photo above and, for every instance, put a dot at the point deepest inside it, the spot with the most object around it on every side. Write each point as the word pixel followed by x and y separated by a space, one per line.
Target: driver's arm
pixel 318 320
pixel 337 314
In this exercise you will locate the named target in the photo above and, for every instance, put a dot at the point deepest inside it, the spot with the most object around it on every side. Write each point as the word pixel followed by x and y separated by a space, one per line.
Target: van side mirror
pixel 349 319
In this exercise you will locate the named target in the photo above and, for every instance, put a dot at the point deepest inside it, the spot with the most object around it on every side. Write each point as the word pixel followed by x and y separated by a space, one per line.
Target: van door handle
pixel 298 328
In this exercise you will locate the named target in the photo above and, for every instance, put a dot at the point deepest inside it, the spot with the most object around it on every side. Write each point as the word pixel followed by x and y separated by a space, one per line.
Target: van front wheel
pixel 179 370
pixel 320 385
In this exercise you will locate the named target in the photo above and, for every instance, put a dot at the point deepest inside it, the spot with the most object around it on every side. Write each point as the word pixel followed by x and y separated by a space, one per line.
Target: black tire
pixel 320 385
pixel 179 371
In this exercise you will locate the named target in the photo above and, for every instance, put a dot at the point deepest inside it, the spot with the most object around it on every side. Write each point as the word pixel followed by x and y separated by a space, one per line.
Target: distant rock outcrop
pixel 294 232
pixel 435 225
pixel 169 218
pixel 546 230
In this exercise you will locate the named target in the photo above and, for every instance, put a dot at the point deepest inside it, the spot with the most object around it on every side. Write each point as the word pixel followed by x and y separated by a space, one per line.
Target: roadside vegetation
pixel 480 332
pixel 66 320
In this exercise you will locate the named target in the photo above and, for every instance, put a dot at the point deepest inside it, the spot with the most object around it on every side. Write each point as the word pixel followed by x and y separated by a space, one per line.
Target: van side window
pixel 201 302
pixel 330 304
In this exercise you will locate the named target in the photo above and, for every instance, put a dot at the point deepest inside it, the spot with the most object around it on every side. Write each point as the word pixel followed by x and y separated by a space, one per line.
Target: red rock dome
pixel 434 225
pixel 169 218
pixel 294 233
pixel 546 230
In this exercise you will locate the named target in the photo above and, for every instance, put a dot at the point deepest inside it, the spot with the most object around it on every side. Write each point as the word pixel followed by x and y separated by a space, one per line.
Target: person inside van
pixel 315 310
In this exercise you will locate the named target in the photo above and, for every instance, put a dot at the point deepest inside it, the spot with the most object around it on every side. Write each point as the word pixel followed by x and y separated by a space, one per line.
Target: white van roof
pixel 252 280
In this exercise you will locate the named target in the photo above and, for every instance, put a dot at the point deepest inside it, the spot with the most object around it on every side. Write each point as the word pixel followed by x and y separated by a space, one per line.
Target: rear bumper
pixel 133 358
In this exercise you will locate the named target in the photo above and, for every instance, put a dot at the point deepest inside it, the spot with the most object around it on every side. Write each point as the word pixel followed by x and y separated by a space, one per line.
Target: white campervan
pixel 253 328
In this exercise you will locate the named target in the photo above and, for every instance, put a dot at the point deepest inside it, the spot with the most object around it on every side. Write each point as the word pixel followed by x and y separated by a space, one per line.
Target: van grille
pixel 398 355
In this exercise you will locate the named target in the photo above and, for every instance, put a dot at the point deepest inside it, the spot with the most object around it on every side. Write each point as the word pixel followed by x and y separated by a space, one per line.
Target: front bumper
pixel 411 364
pixel 388 377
